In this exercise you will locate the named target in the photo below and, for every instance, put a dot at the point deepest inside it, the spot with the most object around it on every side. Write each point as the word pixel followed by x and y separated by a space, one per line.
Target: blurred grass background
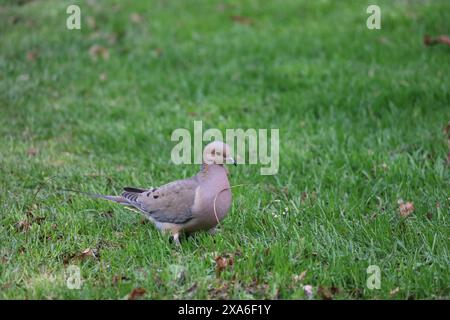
pixel 360 112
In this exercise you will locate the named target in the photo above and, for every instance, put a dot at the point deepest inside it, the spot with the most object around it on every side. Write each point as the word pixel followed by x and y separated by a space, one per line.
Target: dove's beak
pixel 232 161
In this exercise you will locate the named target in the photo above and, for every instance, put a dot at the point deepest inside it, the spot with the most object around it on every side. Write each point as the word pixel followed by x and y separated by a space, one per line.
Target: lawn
pixel 361 116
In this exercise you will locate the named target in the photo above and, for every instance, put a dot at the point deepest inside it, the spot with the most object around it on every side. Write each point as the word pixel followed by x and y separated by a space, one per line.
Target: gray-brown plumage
pixel 189 205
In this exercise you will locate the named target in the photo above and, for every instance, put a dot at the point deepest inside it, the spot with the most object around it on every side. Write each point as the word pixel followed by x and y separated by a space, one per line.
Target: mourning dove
pixel 188 205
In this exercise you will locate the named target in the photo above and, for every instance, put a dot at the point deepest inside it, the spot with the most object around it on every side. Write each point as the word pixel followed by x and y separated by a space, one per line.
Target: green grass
pixel 360 112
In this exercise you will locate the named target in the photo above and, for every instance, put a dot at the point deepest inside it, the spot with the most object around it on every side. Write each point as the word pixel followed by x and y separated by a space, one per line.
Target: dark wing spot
pixel 155 196
pixel 131 189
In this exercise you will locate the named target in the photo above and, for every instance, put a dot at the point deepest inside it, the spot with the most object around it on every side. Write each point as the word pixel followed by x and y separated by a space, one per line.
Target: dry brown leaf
pixel 219 292
pixel 335 290
pixel 4 260
pixel 242 20
pixel 97 51
pixel 447 129
pixel 30 210
pixel 23 225
pixel 32 55
pixel 192 289
pixel 32 152
pixel 301 277
pixel 136 18
pixel 119 278
pixel 222 262
pixel 158 52
pixel 137 293
pixel 38 220
pixel 6 286
pixel 304 196
pixel 89 253
pixel 324 293
pixel 256 288
pixel 394 291
pixel 405 208
pixel 91 22
pixel 428 41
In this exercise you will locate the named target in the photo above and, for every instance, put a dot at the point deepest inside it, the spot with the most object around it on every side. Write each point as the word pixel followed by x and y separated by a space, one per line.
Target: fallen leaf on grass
pixel 4 260
pixel 383 40
pixel 89 253
pixel 221 7
pixel 222 262
pixel 447 129
pixel 405 208
pixel 14 19
pixel 335 290
pixel 256 288
pixel 299 278
pixel 158 52
pixel 192 288
pixel 30 210
pixel 119 278
pixel 6 286
pixel 308 196
pixel 137 293
pixel 32 152
pixel 23 225
pixel 394 291
pixel 304 196
pixel 92 24
pixel 32 55
pixel 327 293
pixel 242 20
pixel 97 51
pixel 429 41
pixel 85 254
pixel 219 292
pixel 324 293
pixel 136 18
pixel 356 293
pixel 447 133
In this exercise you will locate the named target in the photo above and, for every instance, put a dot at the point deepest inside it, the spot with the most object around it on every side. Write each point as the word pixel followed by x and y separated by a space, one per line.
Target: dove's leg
pixel 176 238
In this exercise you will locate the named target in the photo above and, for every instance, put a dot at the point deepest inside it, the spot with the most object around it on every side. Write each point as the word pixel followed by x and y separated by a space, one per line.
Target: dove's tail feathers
pixel 118 199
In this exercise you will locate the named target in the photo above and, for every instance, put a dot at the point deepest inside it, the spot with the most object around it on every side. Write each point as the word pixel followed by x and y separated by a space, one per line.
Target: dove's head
pixel 217 152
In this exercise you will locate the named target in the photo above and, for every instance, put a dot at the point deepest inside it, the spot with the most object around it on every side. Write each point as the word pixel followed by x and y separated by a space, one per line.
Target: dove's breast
pixel 212 202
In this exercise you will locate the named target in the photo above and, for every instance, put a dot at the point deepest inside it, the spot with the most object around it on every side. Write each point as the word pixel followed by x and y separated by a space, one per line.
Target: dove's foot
pixel 176 239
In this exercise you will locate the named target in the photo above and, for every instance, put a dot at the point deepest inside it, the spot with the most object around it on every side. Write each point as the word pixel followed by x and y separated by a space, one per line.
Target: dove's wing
pixel 170 203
